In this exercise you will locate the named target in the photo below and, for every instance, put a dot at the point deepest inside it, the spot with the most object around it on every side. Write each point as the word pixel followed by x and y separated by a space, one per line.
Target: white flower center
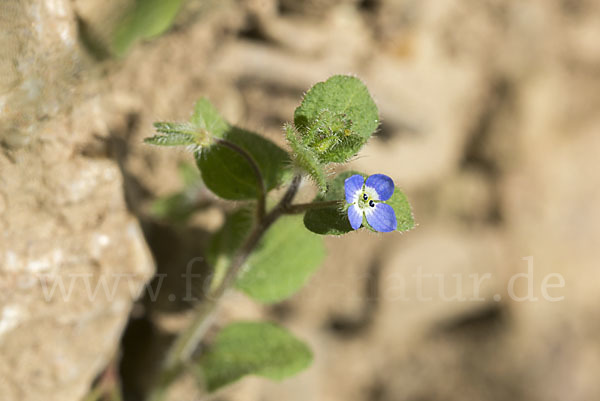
pixel 364 199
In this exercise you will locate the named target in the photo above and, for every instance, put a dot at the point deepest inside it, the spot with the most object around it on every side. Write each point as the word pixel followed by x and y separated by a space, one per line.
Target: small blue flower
pixel 366 199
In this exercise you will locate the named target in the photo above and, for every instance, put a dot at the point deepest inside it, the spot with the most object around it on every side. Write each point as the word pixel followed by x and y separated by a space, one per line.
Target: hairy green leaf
pixel 230 176
pixel 285 259
pixel 178 134
pixel 334 220
pixel 205 124
pixel 330 220
pixel 173 139
pixel 404 215
pixel 175 128
pixel 206 117
pixel 225 242
pixel 336 118
pixel 256 348
pixel 306 159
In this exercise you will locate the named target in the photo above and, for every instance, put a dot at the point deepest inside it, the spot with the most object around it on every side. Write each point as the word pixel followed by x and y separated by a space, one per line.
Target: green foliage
pixel 231 235
pixel 206 123
pixel 404 215
pixel 285 258
pixel 283 261
pixel 147 19
pixel 336 118
pixel 189 175
pixel 230 176
pixel 206 117
pixel 225 242
pixel 257 348
pixel 179 206
pixel 178 134
pixel 306 159
pixel 270 253
pixel 224 171
pixel 227 173
pixel 331 220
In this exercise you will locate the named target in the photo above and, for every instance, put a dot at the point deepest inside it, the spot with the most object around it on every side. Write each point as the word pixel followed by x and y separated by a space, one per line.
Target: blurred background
pixel 490 124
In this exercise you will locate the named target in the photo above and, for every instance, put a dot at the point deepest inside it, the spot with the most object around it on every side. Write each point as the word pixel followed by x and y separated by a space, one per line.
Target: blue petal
pixel 351 185
pixel 382 184
pixel 355 216
pixel 382 218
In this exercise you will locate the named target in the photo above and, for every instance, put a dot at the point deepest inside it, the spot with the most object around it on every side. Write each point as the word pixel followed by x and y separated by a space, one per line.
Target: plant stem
pixel 186 343
pixel 303 207
pixel 261 227
pixel 260 182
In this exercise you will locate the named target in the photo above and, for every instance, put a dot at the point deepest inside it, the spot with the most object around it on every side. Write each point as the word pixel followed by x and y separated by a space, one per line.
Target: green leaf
pixel 336 118
pixel 256 348
pixel 178 207
pixel 230 176
pixel 204 124
pixel 178 134
pixel 175 128
pixel 174 139
pixel 327 221
pixel 330 220
pixel 225 242
pixel 334 220
pixel 147 19
pixel 306 159
pixel 189 174
pixel 285 259
pixel 206 117
pixel 404 215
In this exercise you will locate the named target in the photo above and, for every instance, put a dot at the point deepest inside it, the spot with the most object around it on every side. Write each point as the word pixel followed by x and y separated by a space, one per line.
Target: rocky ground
pixel 490 124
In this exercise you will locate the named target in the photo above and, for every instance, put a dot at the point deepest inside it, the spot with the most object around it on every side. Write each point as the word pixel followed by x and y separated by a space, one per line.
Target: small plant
pixel 270 252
